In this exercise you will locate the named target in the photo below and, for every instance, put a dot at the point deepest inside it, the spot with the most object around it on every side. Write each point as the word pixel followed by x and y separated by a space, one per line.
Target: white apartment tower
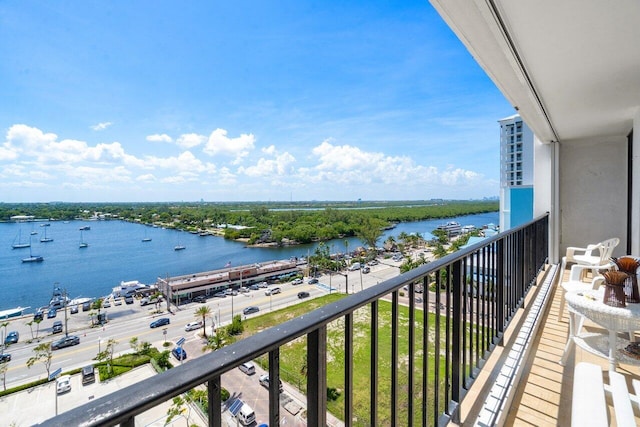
pixel 516 172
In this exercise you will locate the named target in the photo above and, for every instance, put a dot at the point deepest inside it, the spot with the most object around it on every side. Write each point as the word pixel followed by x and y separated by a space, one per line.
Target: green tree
pixel 370 233
pixel 107 354
pixel 3 372
pixel 42 354
pixel 179 407
pixel 203 312
pixel 216 341
pixel 4 325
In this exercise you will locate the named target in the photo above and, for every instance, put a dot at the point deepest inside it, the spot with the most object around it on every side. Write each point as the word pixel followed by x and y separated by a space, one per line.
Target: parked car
pixel 254 287
pixel 65 342
pixel 88 375
pixel 248 368
pixel 297 282
pixel 312 281
pixel 192 326
pixel 250 310
pixel 272 291
pixel 128 300
pixel 303 294
pixel 117 301
pixel 179 353
pixel 51 313
pixel 365 270
pixel 38 315
pixel 12 338
pixel 160 322
pixel 220 295
pixel 86 306
pixel 106 304
pixel 5 357
pixel 244 290
pixel 74 309
pixel 57 327
pixel 63 384
pixel 264 381
pixel 200 298
pixel 144 301
pixel 373 262
pixel 263 285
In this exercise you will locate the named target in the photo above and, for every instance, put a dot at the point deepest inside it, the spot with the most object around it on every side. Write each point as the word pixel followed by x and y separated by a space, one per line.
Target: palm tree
pixel 216 341
pixel 203 312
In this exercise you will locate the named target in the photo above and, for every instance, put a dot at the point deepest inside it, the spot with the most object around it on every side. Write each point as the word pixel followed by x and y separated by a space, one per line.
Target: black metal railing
pixel 457 311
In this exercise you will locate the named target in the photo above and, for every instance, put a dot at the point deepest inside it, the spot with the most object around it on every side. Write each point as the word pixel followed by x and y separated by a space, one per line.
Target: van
pixel 248 368
pixel 355 266
pixel 246 415
pixel 88 375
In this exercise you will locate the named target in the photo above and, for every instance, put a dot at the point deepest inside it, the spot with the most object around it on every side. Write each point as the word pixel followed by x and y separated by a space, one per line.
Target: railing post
pixel 274 387
pixel 456 337
pixel 214 402
pixel 373 406
pixel 500 290
pixel 317 378
pixel 394 358
pixel 348 370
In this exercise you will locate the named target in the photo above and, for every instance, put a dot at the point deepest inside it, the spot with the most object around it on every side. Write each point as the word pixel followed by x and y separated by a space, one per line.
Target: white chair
pixel 595 255
pixel 575 283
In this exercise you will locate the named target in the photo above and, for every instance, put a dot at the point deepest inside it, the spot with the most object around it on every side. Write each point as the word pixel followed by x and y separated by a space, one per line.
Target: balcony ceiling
pixel 571 68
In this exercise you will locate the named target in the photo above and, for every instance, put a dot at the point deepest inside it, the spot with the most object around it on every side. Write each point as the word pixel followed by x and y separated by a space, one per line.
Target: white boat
pixel 128 287
pixel 82 244
pixel 32 257
pixel 146 238
pixel 452 228
pixel 13 312
pixel 46 239
pixel 18 243
pixel 179 247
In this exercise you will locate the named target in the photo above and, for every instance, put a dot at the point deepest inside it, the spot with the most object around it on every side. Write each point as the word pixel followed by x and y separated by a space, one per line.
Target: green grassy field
pixel 293 358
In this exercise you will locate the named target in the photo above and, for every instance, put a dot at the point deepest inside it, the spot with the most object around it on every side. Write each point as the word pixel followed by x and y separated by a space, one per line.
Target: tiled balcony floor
pixel 544 395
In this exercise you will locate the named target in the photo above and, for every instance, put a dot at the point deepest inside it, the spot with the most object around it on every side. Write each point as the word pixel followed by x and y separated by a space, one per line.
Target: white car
pixel 193 326
pixel 63 384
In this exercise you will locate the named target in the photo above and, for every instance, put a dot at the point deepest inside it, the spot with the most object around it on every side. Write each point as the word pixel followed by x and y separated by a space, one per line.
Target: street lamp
pixel 164 333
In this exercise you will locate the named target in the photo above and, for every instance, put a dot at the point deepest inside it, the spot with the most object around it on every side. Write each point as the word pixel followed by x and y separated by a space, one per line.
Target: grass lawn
pixel 293 358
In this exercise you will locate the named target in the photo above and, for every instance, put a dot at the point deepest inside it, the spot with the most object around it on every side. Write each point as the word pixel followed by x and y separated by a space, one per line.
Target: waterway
pixel 117 253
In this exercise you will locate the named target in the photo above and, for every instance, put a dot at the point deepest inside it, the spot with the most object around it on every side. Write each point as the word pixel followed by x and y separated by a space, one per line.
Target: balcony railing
pixel 473 296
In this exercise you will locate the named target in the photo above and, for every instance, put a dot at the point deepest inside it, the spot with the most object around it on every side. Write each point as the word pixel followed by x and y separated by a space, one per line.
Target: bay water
pixel 117 253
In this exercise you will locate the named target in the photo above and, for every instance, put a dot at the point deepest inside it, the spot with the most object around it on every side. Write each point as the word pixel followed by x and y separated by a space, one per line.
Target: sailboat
pixel 179 247
pixel 46 239
pixel 18 244
pixel 32 257
pixel 145 238
pixel 83 244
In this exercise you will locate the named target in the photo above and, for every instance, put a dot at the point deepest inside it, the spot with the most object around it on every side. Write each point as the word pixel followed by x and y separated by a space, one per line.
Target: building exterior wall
pixel 516 172
pixel 592 192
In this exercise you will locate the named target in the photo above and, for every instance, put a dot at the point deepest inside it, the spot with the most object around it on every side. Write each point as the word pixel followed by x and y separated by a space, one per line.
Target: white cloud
pixel 238 148
pixel 101 126
pixel 159 138
pixel 265 167
pixel 146 178
pixel 190 140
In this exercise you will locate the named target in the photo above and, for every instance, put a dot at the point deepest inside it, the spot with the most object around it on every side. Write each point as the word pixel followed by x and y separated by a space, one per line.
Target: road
pixel 128 321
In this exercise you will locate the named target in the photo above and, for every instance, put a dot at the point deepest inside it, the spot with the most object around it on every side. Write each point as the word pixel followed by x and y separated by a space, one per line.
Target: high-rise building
pixel 516 172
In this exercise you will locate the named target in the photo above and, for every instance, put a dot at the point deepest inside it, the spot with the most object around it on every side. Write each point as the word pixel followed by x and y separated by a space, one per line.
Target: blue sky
pixel 247 100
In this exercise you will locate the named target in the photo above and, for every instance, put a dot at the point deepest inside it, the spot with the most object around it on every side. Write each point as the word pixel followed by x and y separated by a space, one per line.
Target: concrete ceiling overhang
pixel 570 67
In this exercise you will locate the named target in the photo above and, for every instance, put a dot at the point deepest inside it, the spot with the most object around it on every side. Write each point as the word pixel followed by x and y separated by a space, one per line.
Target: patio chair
pixel 595 255
pixel 575 283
